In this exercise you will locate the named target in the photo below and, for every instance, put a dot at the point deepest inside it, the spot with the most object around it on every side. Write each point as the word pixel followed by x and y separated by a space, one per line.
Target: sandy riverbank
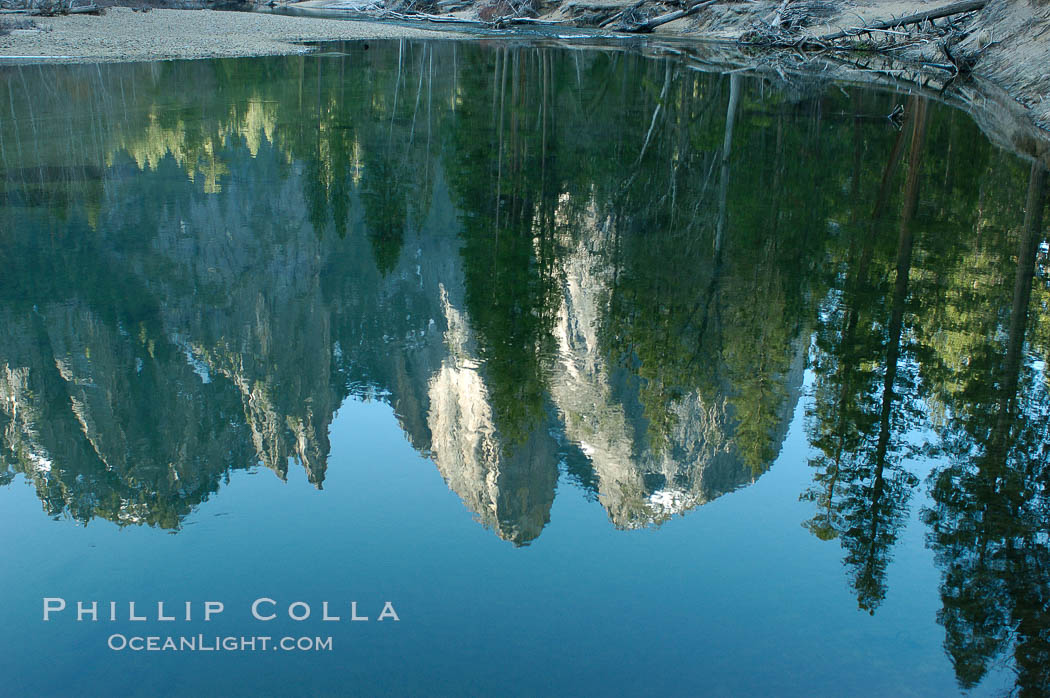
pixel 124 35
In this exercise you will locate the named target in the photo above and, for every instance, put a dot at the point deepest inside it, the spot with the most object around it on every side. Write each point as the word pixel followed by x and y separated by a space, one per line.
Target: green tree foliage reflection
pixel 990 517
pixel 866 385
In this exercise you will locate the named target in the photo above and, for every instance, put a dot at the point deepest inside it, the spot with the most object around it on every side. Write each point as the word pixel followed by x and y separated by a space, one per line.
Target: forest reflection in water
pixel 587 266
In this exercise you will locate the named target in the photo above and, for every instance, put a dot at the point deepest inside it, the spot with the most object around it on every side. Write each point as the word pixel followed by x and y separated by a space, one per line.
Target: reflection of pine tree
pixel 862 409
pixel 397 181
pixel 991 509
pixel 383 196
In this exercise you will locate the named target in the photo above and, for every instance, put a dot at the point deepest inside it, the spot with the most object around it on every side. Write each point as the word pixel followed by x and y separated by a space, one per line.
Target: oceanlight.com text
pixel 215 643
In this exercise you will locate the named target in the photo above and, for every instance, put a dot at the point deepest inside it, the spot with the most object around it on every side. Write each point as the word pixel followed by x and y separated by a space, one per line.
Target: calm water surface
pixel 614 376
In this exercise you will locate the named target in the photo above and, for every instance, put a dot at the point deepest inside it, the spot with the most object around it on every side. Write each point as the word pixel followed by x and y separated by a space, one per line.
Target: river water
pixel 614 377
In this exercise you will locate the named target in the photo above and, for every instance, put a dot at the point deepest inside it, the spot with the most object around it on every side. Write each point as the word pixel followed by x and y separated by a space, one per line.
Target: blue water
pixel 735 599
pixel 612 377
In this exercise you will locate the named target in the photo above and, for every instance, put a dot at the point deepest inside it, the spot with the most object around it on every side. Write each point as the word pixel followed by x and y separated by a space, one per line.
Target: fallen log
pixel 929 15
pixel 526 20
pixel 53 11
pixel 596 6
pixel 670 17
pixel 390 14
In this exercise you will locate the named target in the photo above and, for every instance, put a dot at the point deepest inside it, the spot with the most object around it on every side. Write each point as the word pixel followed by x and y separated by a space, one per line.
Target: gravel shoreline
pixel 124 35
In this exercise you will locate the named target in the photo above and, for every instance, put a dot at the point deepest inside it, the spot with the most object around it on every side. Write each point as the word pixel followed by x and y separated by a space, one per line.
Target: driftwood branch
pixel 631 8
pixel 778 17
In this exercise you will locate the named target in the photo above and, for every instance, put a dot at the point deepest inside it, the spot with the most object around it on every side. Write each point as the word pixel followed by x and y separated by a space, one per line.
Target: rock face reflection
pixel 223 279
pixel 509 485
pixel 594 268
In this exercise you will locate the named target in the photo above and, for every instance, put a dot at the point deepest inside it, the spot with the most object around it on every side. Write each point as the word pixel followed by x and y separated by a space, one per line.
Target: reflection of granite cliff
pixel 106 425
pixel 202 346
pixel 511 489
pixel 241 295
pixel 598 402
pixel 226 324
pixel 231 335
pixel 222 331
